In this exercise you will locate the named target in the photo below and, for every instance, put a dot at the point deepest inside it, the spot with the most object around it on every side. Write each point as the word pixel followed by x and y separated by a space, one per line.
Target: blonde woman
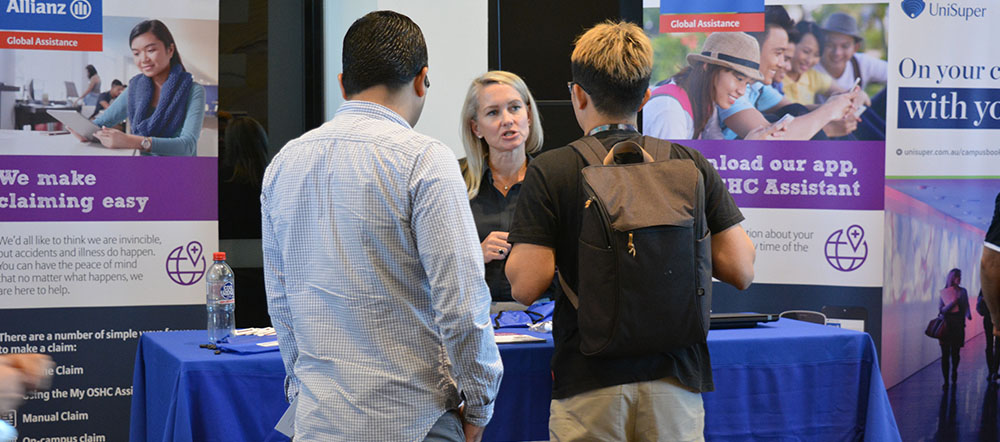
pixel 500 129
pixel 953 303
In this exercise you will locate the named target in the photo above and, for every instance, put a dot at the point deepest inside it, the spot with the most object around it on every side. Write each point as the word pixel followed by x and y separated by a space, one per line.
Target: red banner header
pixel 53 41
pixel 740 22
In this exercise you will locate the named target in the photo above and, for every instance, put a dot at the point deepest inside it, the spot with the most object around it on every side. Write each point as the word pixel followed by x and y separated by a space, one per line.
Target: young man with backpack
pixel 653 220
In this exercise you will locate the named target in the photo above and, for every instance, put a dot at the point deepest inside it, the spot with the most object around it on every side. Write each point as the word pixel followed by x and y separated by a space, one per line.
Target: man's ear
pixel 420 82
pixel 580 97
pixel 340 81
pixel 645 98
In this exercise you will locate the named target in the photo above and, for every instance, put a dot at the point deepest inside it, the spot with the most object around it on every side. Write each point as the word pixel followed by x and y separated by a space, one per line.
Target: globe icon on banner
pixel 185 264
pixel 847 250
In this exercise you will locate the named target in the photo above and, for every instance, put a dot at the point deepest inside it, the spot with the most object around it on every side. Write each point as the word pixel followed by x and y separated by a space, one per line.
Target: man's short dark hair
pixel 775 16
pixel 382 48
pixel 116 82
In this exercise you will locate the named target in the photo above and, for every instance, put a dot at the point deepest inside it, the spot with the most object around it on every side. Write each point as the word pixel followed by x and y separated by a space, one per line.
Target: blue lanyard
pixel 607 127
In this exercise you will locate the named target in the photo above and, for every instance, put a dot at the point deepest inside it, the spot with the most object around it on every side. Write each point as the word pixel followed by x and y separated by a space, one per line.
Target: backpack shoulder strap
pixel 568 292
pixel 677 92
pixel 592 151
pixel 857 69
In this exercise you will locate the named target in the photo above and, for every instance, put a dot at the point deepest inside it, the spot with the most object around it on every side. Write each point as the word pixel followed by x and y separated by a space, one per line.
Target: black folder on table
pixel 740 320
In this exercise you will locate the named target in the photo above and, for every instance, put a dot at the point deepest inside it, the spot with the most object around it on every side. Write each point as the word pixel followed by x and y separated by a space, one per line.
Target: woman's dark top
pixel 494 212
pixel 955 321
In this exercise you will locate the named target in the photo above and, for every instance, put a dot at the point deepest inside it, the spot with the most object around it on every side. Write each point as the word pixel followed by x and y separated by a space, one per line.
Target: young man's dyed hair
pixel 382 48
pixel 612 62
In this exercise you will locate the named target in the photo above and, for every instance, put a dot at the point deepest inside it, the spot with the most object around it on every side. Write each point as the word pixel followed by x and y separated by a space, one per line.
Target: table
pixel 29 142
pixel 779 380
pixel 36 113
pixel 794 380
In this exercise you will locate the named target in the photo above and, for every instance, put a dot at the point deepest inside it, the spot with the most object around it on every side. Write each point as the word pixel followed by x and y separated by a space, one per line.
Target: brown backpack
pixel 645 262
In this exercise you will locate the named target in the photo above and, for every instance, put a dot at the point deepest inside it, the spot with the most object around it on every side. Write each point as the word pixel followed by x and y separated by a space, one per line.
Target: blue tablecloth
pixel 788 380
pixel 796 381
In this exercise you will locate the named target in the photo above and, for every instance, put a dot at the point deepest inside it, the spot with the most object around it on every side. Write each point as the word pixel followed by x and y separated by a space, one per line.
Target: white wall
pixel 457 53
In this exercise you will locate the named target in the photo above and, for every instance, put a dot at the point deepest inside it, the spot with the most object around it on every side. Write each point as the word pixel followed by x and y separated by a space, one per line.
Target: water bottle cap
pixel 219 256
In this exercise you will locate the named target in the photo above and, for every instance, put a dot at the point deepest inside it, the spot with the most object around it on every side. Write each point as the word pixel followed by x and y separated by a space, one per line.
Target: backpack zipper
pixel 605 219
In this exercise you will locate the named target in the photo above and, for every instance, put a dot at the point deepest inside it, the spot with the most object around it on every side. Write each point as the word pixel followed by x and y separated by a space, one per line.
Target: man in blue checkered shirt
pixel 373 268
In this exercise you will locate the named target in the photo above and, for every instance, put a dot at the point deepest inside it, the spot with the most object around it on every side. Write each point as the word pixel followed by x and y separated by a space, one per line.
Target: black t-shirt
pixel 494 212
pixel 549 213
pixel 993 234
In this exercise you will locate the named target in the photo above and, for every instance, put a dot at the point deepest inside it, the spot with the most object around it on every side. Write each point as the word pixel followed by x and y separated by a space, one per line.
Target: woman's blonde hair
pixel 476 149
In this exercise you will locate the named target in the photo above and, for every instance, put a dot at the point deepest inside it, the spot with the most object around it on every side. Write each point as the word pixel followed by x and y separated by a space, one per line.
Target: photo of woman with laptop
pixel 163 105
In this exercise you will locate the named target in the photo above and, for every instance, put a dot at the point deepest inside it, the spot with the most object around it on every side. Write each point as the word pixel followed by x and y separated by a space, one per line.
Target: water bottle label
pixel 227 294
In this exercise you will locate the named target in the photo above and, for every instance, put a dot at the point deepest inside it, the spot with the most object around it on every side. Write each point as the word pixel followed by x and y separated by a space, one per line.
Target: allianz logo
pixel 79 9
pixel 913 8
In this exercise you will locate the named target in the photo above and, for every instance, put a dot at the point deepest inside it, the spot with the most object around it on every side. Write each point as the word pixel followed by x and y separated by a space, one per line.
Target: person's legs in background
pixel 954 362
pixel 945 363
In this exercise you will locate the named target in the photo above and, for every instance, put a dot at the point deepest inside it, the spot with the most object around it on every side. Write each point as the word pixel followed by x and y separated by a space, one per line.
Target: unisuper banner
pixel 942 166
pixel 107 217
pixel 946 104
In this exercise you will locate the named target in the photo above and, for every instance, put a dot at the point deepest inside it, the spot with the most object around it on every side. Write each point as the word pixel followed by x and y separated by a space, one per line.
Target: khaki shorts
pixel 660 410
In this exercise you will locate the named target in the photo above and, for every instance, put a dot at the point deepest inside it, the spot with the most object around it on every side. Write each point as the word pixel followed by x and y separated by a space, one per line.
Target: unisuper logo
pixel 78 9
pixel 912 8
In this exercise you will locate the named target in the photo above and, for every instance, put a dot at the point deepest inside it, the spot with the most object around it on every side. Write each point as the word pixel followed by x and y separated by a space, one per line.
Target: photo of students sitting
pixel 163 106
pixel 685 107
pixel 752 113
pixel 763 104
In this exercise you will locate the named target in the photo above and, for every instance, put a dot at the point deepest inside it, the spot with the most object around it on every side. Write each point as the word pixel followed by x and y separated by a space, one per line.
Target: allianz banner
pixel 108 215
pixel 66 25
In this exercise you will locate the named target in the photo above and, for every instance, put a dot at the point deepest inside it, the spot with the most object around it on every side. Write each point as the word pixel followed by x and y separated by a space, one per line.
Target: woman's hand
pixel 78 136
pixel 116 139
pixel 495 246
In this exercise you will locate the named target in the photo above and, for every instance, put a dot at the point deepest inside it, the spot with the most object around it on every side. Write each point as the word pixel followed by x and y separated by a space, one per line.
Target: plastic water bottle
pixel 220 300
pixel 7 432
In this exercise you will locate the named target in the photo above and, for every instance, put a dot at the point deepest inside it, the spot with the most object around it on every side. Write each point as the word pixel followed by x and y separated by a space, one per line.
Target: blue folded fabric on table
pixel 246 345
pixel 534 314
